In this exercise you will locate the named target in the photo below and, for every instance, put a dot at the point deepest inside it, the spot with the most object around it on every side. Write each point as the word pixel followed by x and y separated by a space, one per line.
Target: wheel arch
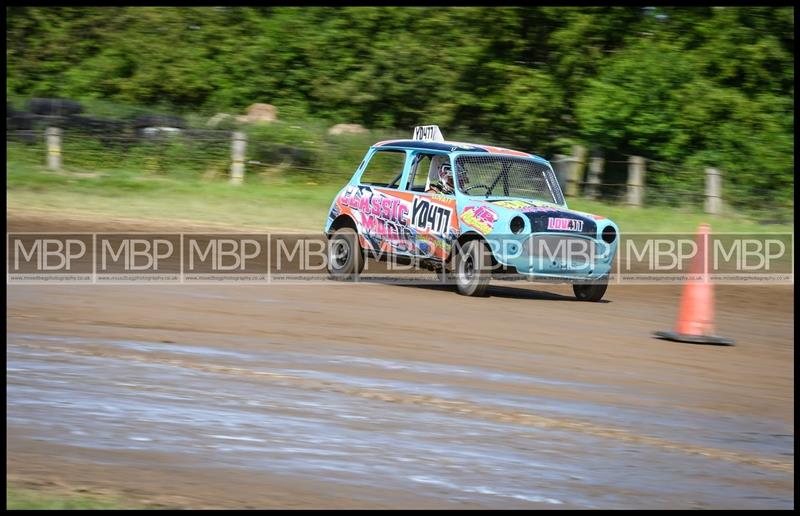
pixel 342 221
pixel 467 236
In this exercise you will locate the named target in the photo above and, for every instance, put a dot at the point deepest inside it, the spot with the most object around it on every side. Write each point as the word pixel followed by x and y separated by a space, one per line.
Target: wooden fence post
pixel 575 170
pixel 561 165
pixel 53 139
pixel 713 191
pixel 636 172
pixel 238 146
pixel 595 171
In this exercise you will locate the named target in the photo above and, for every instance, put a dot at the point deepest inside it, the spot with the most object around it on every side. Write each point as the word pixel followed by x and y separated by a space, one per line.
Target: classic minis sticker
pixel 481 218
pixel 560 224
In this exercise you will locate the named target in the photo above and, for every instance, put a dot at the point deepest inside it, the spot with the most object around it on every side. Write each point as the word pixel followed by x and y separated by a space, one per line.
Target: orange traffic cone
pixel 696 313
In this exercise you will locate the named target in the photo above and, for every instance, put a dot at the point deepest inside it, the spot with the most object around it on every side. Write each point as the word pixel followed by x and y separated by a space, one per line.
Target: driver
pixel 445 184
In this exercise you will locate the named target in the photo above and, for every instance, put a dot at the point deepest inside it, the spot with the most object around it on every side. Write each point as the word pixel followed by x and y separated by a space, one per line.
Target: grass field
pixel 269 200
pixel 25 499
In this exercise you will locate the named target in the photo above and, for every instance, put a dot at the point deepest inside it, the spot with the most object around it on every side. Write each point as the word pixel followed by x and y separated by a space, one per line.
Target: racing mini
pixel 468 212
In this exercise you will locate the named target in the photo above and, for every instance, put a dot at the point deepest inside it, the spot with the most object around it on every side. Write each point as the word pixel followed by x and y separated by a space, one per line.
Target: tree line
pixel 690 87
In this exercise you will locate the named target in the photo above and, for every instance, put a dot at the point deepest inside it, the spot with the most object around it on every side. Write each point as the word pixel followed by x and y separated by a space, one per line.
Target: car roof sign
pixel 428 133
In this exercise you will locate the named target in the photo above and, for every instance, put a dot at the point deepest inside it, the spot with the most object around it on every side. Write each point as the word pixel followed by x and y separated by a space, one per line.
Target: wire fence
pixel 193 152
pixel 169 149
pixel 161 150
pixel 154 153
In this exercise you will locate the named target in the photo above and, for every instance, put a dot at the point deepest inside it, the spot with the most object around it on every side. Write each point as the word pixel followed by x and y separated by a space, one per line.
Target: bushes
pixel 692 87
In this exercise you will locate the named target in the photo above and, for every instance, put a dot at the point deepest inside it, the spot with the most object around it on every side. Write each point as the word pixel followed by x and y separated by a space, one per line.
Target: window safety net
pixel 507 176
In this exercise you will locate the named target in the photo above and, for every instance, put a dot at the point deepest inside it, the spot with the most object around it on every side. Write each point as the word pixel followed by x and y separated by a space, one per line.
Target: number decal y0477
pixel 426 215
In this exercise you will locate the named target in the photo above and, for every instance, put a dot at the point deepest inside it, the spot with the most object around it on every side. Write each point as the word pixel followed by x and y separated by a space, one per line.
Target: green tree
pixel 692 87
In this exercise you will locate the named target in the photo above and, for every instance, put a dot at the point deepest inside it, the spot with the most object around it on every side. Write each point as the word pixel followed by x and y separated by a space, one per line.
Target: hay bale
pixel 347 129
pixel 259 113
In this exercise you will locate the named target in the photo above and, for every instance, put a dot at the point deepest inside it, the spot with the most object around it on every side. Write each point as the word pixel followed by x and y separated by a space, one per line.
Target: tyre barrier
pixel 54 107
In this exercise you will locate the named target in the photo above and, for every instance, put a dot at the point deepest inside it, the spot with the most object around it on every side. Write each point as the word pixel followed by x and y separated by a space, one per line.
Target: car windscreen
pixel 507 176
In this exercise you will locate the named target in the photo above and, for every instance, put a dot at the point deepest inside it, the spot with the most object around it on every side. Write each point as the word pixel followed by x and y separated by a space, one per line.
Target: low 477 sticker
pixel 561 224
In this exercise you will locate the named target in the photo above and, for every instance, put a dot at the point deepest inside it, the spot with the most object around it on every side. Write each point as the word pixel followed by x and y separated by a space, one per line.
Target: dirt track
pixel 374 395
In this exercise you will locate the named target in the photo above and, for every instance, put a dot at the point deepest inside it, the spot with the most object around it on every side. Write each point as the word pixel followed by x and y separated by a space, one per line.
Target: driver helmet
pixel 446 177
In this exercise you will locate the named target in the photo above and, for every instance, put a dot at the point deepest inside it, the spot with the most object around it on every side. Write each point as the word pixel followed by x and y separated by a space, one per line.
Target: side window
pixel 385 169
pixel 419 172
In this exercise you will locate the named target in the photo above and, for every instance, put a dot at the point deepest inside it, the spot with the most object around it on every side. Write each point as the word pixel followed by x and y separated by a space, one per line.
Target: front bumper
pixel 558 256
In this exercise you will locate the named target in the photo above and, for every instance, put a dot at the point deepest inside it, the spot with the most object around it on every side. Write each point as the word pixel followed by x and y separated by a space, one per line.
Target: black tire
pixel 93 124
pixel 591 291
pixel 20 121
pixel 54 107
pixel 472 268
pixel 159 121
pixel 345 256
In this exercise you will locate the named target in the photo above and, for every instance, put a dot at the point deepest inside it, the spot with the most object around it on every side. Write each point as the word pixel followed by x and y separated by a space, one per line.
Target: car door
pixel 432 219
pixel 382 203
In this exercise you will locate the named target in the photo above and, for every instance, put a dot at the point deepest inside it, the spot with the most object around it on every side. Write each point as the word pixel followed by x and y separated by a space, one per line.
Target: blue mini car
pixel 468 212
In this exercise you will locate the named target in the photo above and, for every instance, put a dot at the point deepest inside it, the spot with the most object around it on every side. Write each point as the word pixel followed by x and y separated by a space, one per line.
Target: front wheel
pixel 592 291
pixel 472 266
pixel 345 257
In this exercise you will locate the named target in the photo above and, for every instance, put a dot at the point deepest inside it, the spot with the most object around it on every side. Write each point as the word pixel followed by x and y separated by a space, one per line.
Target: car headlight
pixel 517 225
pixel 609 234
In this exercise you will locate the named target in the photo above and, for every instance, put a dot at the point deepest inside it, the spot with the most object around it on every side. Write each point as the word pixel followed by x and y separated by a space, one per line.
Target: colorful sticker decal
pixel 428 215
pixel 539 209
pixel 441 247
pixel 501 150
pixel 514 205
pixel 481 218
pixel 431 245
pixel 379 215
pixel 335 211
pixel 559 224
pixel 461 145
pixel 399 222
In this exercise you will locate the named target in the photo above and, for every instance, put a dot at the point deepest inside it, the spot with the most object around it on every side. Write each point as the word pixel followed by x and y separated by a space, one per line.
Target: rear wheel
pixel 472 268
pixel 345 257
pixel 591 291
